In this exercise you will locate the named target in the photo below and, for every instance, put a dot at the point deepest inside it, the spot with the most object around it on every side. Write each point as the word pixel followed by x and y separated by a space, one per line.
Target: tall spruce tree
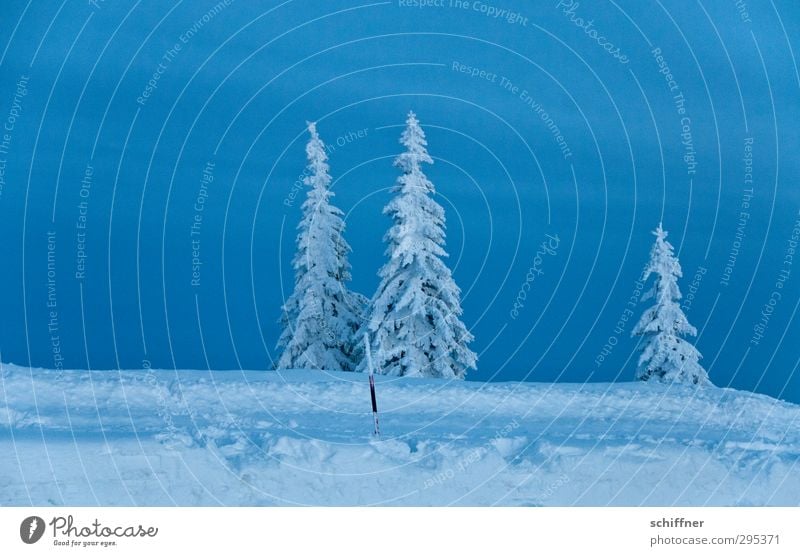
pixel 321 316
pixel 666 356
pixel 414 321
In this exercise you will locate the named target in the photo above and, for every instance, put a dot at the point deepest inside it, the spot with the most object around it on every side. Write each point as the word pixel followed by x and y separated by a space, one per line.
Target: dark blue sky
pixel 590 122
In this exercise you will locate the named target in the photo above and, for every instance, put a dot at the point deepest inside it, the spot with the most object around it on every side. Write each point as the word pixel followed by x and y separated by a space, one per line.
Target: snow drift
pixel 301 437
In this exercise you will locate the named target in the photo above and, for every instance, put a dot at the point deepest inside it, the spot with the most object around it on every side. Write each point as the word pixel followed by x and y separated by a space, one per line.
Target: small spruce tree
pixel 321 317
pixel 665 355
pixel 414 318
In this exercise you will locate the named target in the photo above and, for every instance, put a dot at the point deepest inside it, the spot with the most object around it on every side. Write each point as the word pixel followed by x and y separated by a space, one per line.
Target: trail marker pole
pixel 377 431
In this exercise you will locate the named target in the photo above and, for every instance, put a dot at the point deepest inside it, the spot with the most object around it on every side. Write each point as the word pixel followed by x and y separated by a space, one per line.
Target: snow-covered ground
pixel 300 437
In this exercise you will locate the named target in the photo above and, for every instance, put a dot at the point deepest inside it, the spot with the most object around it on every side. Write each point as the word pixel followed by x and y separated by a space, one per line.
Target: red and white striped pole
pixel 377 431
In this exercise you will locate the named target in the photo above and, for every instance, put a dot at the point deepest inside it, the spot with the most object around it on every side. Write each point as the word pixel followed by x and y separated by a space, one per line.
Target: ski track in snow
pixel 303 438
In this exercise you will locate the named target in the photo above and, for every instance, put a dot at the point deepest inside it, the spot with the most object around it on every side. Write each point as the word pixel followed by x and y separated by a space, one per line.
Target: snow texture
pixel 414 321
pixel 304 437
pixel 666 356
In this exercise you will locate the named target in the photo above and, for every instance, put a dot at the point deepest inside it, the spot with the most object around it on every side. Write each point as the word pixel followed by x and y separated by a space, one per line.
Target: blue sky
pixel 555 133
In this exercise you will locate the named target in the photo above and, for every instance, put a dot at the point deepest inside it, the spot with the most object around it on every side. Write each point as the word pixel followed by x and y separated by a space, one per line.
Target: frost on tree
pixel 414 322
pixel 666 356
pixel 321 316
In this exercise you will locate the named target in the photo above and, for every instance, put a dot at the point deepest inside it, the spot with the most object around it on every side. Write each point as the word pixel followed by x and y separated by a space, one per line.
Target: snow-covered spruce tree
pixel 666 356
pixel 414 318
pixel 321 317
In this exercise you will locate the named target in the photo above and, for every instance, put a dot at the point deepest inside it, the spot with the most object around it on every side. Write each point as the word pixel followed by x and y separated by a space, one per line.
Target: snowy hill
pixel 298 437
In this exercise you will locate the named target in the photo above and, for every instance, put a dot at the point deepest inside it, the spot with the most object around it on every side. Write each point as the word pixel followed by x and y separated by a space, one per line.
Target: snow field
pixel 304 437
